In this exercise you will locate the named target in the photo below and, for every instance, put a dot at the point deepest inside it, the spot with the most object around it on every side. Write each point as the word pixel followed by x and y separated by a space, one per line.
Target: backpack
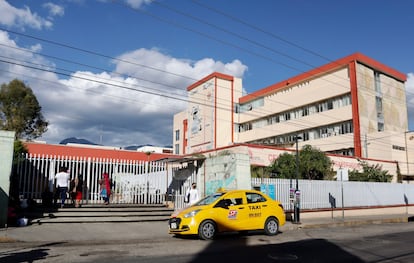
pixel 187 197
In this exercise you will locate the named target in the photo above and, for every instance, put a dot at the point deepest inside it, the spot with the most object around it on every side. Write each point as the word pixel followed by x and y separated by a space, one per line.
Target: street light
pixel 296 212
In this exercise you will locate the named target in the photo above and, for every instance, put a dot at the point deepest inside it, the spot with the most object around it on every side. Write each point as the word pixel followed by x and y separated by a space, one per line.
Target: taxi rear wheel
pixel 271 226
pixel 207 230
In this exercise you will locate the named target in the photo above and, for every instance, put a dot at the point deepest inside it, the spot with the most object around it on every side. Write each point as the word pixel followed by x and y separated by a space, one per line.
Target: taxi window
pixel 235 198
pixel 236 201
pixel 209 199
pixel 254 198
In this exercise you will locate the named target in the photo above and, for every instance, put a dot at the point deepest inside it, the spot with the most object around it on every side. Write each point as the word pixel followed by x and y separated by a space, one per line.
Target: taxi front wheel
pixel 207 230
pixel 271 226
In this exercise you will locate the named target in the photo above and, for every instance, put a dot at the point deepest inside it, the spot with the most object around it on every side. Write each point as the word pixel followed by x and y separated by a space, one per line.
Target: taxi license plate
pixel 173 225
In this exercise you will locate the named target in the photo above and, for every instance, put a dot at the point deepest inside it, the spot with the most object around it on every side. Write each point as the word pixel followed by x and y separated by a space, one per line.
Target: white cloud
pixel 11 16
pixel 132 105
pixel 54 10
pixel 137 3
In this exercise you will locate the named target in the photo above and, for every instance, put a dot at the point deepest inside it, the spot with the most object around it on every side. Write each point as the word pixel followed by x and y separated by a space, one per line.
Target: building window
pixel 380 126
pixel 311 134
pixel 380 116
pixel 177 135
pixel 377 82
pixel 177 149
pixel 378 104
pixel 305 110
pixel 399 148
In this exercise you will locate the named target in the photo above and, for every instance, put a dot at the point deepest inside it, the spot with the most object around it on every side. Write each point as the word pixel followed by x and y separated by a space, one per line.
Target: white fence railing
pixel 316 194
pixel 140 182
pixel 137 182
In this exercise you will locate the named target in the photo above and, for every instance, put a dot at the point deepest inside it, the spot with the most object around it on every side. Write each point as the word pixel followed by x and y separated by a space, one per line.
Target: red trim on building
pixel 212 75
pixel 355 109
pixel 185 142
pixel 215 113
pixel 232 112
pixel 335 65
pixel 52 150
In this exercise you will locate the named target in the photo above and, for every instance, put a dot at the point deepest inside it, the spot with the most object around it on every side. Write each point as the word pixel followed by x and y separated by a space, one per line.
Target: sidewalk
pixel 352 217
pixel 110 232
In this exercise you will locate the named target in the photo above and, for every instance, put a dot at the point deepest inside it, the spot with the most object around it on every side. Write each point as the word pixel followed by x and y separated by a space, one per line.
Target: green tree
pixel 258 171
pixel 18 151
pixel 18 157
pixel 313 164
pixel 370 173
pixel 20 111
pixel 283 167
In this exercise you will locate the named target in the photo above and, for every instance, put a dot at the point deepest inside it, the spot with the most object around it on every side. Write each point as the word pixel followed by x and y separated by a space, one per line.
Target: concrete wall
pixel 226 170
pixel 6 159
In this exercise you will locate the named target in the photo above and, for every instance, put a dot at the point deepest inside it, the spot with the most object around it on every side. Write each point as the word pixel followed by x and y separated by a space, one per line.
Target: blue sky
pixel 115 72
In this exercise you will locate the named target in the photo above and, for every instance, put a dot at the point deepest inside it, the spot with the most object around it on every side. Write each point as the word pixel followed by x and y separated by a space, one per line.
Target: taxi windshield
pixel 209 199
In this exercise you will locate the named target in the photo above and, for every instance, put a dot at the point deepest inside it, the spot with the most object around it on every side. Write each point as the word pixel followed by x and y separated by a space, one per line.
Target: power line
pixel 118 86
pixel 112 58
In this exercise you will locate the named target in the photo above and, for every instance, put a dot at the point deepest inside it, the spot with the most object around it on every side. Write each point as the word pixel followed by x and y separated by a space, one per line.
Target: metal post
pixel 297 200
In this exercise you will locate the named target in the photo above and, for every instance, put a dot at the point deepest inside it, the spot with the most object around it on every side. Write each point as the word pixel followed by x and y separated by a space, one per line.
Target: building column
pixel 6 160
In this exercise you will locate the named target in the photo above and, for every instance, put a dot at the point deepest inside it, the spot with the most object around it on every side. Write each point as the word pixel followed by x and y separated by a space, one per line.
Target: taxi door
pixel 233 213
pixel 257 210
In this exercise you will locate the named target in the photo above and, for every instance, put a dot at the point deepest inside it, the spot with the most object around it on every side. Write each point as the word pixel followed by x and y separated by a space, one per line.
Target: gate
pixel 133 181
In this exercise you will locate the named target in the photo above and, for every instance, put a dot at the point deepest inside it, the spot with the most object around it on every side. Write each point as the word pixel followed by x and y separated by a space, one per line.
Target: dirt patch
pixel 7 240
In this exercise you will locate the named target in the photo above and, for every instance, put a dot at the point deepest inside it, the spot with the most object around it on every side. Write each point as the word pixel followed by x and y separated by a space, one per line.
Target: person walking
pixel 62 183
pixel 105 186
pixel 192 194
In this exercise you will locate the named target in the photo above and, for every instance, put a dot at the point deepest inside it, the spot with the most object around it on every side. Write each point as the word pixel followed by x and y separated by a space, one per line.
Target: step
pixel 103 213
pixel 116 219
pixel 98 213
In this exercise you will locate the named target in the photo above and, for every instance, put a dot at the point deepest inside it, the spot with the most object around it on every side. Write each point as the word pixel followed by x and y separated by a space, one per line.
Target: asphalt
pixel 110 232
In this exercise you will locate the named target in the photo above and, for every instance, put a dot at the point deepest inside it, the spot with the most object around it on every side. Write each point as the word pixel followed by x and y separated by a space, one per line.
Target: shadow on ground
pixel 311 250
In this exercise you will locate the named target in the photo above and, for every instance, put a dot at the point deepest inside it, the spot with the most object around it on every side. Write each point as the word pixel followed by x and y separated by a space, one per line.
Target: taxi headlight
pixel 192 213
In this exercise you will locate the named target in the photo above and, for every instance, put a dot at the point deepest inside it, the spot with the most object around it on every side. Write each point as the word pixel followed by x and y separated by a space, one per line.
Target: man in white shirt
pixel 62 183
pixel 192 194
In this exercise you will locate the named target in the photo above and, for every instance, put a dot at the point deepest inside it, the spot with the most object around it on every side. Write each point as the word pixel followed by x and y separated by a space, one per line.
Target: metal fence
pixel 316 194
pixel 140 182
pixel 137 181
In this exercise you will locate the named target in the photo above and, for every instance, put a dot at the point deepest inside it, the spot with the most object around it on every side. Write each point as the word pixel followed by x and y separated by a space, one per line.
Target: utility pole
pixel 297 192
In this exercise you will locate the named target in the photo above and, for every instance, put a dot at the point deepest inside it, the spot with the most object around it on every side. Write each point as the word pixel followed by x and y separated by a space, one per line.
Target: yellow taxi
pixel 225 211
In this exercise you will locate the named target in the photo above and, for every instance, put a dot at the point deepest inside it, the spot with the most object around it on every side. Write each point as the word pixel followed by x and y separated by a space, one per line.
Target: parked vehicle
pixel 235 210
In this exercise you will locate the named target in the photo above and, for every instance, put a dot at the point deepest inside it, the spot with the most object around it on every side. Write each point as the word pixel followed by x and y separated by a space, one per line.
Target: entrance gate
pixel 133 182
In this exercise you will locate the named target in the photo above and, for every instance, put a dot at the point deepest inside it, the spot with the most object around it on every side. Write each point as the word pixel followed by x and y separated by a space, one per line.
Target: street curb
pixel 346 222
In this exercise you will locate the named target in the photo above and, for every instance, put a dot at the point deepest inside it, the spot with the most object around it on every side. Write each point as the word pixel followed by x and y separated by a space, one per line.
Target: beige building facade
pixel 354 107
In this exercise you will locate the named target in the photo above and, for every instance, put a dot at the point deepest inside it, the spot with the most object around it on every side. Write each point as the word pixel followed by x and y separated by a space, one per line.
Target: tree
pixel 20 111
pixel 18 156
pixel 258 171
pixel 313 164
pixel 370 173
pixel 18 151
pixel 284 166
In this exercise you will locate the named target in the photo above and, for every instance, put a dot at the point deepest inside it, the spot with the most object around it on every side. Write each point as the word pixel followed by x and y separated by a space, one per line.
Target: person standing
pixel 62 183
pixel 105 186
pixel 192 194
pixel 76 188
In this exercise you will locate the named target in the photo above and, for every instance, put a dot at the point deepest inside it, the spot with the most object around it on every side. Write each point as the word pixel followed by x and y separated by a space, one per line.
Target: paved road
pixel 366 243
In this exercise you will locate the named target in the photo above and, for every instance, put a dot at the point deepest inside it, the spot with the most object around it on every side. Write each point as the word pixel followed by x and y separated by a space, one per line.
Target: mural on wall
pixel 201 117
pixel 196 125
pixel 223 174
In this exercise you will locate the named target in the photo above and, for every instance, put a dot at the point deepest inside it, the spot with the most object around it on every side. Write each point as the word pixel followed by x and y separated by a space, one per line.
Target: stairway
pixel 113 213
